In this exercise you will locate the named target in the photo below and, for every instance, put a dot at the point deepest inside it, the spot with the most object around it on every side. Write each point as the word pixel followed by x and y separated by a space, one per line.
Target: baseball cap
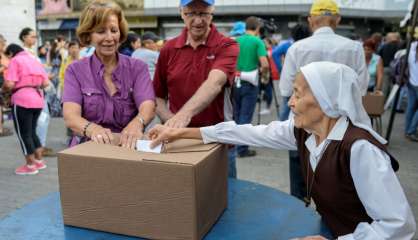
pixel 238 29
pixel 184 3
pixel 150 36
pixel 324 7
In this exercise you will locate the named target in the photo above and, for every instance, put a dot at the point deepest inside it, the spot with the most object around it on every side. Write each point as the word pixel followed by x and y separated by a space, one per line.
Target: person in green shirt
pixel 252 55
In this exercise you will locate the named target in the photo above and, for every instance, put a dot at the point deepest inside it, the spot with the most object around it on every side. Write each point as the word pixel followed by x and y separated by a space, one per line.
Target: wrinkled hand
pixel 378 92
pixel 180 120
pixel 100 134
pixel 161 134
pixel 313 238
pixel 130 134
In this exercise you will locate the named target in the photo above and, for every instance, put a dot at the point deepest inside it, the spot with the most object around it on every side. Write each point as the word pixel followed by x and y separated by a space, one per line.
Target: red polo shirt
pixel 181 70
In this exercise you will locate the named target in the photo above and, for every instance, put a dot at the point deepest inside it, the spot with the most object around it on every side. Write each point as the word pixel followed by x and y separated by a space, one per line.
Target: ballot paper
pixel 144 146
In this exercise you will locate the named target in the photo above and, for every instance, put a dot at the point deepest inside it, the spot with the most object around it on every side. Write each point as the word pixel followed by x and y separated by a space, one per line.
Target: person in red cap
pixel 194 73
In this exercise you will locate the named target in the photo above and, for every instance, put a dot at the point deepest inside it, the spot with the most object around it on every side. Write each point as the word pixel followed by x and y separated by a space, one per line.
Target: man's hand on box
pixel 130 134
pixel 100 134
pixel 161 134
pixel 180 120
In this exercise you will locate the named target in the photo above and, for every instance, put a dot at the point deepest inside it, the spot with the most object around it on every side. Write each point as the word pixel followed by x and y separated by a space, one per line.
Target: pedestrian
pixel 28 37
pixel 132 43
pixel 238 29
pixel 73 55
pixel 298 32
pixel 323 45
pixel 25 78
pixel 411 116
pixel 194 73
pixel 374 66
pixel 148 53
pixel 346 164
pixel 253 54
pixel 4 62
pixel 387 52
pixel 107 92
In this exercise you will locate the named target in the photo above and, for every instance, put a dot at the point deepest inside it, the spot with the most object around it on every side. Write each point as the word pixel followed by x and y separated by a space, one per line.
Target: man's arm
pixel 206 93
pixel 362 71
pixel 162 110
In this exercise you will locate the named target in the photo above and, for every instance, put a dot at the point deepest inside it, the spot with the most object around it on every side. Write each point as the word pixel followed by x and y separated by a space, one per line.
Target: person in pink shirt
pixel 25 78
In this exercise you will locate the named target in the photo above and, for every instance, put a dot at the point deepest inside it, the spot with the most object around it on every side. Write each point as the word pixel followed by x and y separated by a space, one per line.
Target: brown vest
pixel 333 188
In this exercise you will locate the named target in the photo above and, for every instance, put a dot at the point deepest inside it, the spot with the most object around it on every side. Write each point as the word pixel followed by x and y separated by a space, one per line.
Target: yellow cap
pixel 324 7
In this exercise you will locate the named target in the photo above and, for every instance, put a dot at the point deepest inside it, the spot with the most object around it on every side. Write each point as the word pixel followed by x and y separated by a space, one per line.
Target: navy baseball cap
pixel 184 3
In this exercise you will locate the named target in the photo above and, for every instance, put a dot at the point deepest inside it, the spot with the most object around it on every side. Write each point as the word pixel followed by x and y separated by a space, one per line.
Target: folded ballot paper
pixel 144 146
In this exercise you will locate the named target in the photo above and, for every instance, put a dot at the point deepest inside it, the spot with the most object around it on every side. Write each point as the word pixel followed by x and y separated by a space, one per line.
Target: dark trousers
pixel 297 185
pixel 25 121
pixel 245 99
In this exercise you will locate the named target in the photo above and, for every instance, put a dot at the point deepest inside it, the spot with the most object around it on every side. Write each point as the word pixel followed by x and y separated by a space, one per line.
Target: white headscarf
pixel 335 88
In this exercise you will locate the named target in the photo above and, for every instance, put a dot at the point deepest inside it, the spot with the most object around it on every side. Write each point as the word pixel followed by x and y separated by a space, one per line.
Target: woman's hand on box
pixel 99 134
pixel 131 133
pixel 161 134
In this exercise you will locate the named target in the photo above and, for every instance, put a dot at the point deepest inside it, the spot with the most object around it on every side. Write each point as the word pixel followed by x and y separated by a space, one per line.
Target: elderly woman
pixel 106 92
pixel 348 171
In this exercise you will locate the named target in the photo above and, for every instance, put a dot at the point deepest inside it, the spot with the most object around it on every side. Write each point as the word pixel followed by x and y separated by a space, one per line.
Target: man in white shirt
pixel 323 45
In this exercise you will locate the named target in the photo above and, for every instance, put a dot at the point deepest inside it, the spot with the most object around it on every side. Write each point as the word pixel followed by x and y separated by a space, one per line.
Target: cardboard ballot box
pixel 178 194
pixel 374 103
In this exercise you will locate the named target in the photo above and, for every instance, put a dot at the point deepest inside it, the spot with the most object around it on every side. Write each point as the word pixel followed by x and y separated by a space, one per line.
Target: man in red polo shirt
pixel 194 72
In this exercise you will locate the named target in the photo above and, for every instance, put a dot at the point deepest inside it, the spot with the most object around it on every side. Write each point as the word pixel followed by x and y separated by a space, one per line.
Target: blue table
pixel 254 212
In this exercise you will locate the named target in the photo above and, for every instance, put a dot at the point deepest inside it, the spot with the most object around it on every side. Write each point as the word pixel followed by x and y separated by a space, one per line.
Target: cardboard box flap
pixel 185 151
pixel 187 145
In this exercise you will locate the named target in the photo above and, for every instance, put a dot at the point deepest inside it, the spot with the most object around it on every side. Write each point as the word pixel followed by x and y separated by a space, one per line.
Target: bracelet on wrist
pixel 85 129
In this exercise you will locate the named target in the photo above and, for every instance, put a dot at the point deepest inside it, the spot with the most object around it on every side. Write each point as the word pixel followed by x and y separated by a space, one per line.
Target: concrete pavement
pixel 269 167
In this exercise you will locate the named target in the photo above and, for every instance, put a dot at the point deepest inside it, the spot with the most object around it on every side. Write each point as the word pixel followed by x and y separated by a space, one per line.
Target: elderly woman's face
pixel 106 38
pixel 308 113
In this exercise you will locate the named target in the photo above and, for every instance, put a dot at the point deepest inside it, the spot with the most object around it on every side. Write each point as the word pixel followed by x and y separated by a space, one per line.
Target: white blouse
pixel 376 183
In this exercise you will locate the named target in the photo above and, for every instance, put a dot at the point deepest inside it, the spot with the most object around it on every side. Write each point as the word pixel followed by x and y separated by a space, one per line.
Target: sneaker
pixel 26 170
pixel 40 164
pixel 248 153
pixel 412 137
pixel 48 152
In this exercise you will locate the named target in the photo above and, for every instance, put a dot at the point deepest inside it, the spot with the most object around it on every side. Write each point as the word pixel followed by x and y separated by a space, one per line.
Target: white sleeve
pixel 276 135
pixel 288 73
pixel 381 195
pixel 362 70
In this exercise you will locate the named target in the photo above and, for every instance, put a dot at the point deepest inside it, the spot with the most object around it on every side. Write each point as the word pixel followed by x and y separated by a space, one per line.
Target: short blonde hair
pixel 95 15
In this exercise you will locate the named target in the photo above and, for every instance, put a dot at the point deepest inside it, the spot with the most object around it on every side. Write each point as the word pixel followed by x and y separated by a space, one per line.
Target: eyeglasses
pixel 205 15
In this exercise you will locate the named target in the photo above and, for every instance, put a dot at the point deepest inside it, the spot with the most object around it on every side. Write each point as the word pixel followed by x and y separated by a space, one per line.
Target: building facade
pixel 360 17
pixel 14 16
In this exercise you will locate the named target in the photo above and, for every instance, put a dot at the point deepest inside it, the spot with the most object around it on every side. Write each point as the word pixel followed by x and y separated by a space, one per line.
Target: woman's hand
pixel 99 134
pixel 131 133
pixel 162 134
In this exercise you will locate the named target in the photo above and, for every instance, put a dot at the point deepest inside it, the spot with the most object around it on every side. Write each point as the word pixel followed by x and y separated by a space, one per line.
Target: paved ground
pixel 268 167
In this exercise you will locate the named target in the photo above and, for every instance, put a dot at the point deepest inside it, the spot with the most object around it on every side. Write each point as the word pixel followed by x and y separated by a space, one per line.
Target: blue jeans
pixel 411 121
pixel 42 124
pixel 245 99
pixel 268 93
pixel 284 110
pixel 232 168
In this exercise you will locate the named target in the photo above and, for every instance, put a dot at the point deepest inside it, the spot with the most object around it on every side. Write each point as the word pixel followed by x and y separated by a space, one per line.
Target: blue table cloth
pixel 254 212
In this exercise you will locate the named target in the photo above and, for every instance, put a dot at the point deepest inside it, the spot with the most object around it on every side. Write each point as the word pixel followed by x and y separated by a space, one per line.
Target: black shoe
pixel 412 137
pixel 248 153
pixel 400 111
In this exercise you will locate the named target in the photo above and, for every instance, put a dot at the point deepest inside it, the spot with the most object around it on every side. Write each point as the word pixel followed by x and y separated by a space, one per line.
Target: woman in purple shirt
pixel 107 92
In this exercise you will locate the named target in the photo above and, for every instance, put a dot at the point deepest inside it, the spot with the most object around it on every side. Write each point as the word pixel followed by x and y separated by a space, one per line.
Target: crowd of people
pixel 203 84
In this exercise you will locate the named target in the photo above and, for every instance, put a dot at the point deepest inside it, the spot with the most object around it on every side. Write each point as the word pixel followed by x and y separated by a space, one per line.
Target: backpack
pixel 396 67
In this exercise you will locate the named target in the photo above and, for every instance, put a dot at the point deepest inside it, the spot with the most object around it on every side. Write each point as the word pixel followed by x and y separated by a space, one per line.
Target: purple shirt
pixel 84 84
